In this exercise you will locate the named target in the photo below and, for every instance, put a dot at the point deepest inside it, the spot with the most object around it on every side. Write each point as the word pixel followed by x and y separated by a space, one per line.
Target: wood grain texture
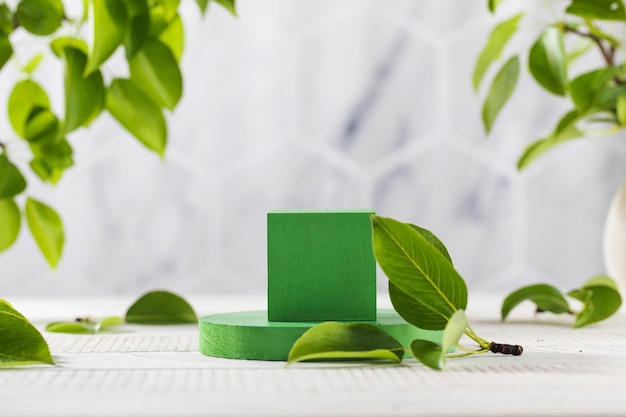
pixel 320 266
pixel 249 335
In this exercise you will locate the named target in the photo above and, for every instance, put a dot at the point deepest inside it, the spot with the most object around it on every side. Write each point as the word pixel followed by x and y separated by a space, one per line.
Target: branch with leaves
pixel 150 32
pixel 598 97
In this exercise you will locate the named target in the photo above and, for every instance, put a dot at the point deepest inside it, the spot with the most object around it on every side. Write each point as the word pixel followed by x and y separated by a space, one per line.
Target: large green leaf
pixel 545 297
pixel 586 90
pixel 565 131
pixel 47 229
pixel 332 340
pixel 84 95
pixel 6 19
pixel 10 222
pixel 155 71
pixel 108 28
pixel 138 114
pixel 501 89
pixel 548 61
pixel 601 299
pixel 12 181
pixel 6 50
pixel 138 29
pixel 432 354
pixel 497 41
pixel 419 271
pixel 598 9
pixel 40 17
pixel 25 97
pixel 21 343
pixel 160 307
pixel 174 37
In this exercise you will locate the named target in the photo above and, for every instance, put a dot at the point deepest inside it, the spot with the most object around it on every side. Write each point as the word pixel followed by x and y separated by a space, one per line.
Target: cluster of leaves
pixel 598 97
pixel 22 344
pixel 425 290
pixel 152 36
pixel 599 296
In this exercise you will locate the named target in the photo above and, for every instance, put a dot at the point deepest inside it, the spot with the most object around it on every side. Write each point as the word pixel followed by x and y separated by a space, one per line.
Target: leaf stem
pixel 472 335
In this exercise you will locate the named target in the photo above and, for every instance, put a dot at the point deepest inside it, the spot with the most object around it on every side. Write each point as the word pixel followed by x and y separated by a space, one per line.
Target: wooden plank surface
pixel 157 371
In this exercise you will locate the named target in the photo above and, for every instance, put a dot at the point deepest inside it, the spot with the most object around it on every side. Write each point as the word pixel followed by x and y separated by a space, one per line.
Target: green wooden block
pixel 320 266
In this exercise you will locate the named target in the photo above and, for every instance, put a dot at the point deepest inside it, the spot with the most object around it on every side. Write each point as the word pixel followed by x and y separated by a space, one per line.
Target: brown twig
pixel 607 54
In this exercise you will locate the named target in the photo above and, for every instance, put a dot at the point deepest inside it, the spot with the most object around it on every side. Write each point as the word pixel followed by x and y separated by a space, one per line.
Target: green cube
pixel 320 266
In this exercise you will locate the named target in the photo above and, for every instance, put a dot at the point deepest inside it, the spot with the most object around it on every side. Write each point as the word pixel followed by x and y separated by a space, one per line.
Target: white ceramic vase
pixel 615 239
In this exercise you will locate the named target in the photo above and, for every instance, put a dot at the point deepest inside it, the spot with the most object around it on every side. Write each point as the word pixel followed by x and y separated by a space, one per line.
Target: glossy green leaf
pixel 6 19
pixel 433 240
pixel 174 37
pixel 565 131
pixel 160 307
pixel 601 299
pixel 586 89
pixel 32 65
pixel 138 30
pixel 155 71
pixel 547 61
pixel 598 9
pixel 42 127
pixel 84 326
pixel 21 343
pixel 12 182
pixel 25 97
pixel 10 222
pixel 621 109
pixel 203 5
pixel 40 17
pixel 47 229
pixel 432 354
pixel 545 297
pixel 493 49
pixel 351 341
pixel 108 29
pixel 419 271
pixel 6 50
pixel 228 5
pixel 58 45
pixel 84 95
pixel 57 154
pixel 493 4
pixel 501 89
pixel 138 114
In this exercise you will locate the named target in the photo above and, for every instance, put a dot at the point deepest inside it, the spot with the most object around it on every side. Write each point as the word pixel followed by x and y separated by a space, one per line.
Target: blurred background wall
pixel 322 104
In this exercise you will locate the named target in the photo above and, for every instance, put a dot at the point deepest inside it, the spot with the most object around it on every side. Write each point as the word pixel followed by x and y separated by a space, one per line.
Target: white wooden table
pixel 157 371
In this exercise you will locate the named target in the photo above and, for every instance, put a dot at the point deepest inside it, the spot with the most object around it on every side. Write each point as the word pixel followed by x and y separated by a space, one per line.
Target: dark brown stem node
pixel 505 349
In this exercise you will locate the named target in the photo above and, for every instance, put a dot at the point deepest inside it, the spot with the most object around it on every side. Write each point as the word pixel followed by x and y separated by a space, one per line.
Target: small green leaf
pixel 581 47
pixel 138 30
pixel 228 5
pixel 33 64
pixel 174 37
pixel 10 222
pixel 47 229
pixel 160 307
pixel 350 341
pixel 432 354
pixel 501 89
pixel 203 5
pixel 598 9
pixel 419 271
pixel 84 326
pixel 155 71
pixel 545 297
pixel 6 19
pixel 600 298
pixel 621 109
pixel 12 181
pixel 42 127
pixel 586 89
pixel 493 4
pixel 493 49
pixel 21 343
pixel 108 29
pixel 84 95
pixel 58 45
pixel 40 17
pixel 138 114
pixel 57 154
pixel 25 97
pixel 566 130
pixel 6 50
pixel 547 61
